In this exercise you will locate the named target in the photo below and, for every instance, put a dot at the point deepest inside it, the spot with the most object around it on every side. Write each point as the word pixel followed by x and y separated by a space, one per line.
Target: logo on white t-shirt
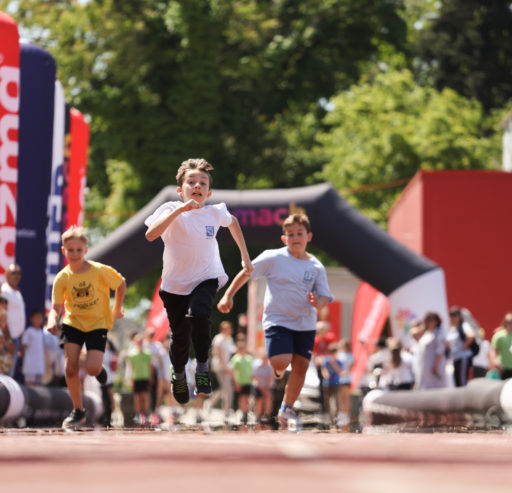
pixel 210 231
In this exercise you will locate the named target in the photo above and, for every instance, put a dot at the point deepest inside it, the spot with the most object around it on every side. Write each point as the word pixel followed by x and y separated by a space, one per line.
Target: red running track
pixel 44 461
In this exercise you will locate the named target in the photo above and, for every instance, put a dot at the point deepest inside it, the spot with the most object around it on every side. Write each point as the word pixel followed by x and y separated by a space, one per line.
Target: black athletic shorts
pixel 140 386
pixel 95 339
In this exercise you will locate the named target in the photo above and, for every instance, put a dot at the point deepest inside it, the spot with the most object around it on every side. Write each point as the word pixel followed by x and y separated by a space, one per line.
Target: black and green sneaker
pixel 180 389
pixel 203 384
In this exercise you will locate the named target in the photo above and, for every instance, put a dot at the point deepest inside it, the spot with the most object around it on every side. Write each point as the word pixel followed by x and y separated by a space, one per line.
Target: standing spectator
pixel 241 362
pixel 6 345
pixel 431 355
pixel 501 353
pixel 263 381
pixel 223 349
pixel 107 389
pixel 297 288
pixel 398 374
pixel 347 362
pixel 155 348
pixel 140 361
pixel 323 339
pixel 481 361
pixel 460 337
pixel 332 368
pixel 83 287
pixel 16 319
pixel 32 350
pixel 55 361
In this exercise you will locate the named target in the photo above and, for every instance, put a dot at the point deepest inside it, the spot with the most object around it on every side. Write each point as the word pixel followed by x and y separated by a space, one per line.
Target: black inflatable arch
pixel 338 229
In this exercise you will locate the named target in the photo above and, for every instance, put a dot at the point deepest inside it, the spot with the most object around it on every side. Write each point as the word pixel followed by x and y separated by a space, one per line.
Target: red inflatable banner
pixel 371 309
pixel 79 144
pixel 157 317
pixel 9 124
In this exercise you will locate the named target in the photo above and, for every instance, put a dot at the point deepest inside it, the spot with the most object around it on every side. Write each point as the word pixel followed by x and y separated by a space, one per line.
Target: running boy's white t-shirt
pixel 288 281
pixel 191 252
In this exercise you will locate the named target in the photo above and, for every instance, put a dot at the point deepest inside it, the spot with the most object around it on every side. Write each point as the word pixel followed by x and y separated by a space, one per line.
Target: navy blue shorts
pixel 280 340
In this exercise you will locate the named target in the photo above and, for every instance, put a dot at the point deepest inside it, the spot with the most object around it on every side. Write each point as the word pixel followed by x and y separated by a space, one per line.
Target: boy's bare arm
pixel 53 319
pixel 160 225
pixel 236 233
pixel 226 302
pixel 118 310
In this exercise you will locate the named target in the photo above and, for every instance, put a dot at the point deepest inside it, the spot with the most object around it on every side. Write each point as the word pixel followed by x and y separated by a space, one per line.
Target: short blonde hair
pixel 198 164
pixel 297 218
pixel 75 232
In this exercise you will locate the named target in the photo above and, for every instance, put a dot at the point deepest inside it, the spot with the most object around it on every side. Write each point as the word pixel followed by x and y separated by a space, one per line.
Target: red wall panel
pixel 464 226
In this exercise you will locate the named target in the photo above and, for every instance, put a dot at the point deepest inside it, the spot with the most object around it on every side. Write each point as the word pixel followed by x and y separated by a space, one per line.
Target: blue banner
pixel 37 82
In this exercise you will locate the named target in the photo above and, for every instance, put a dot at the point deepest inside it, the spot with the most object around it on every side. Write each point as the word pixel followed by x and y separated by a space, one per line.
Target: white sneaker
pixel 342 420
pixel 289 419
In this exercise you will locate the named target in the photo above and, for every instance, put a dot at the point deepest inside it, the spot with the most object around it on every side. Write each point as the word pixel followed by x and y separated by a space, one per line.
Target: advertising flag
pixel 371 309
pixel 37 81
pixel 79 145
pixel 9 125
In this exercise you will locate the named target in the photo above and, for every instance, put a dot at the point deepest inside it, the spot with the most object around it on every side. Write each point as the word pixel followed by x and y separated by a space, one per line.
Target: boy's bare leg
pixel 94 362
pixel 295 379
pixel 72 358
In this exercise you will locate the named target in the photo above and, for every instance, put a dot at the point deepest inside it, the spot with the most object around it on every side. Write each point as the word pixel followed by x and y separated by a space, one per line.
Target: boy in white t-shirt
pixel 32 350
pixel 296 288
pixel 192 269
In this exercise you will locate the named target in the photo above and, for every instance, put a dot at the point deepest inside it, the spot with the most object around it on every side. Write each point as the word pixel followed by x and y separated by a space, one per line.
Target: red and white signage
pixel 371 309
pixel 79 145
pixel 9 124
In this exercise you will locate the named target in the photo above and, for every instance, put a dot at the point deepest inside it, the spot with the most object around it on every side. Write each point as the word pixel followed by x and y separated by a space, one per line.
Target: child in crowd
pixel 140 360
pixel 332 369
pixel 347 361
pixel 33 351
pixel 241 363
pixel 263 381
pixel 83 287
pixel 192 269
pixel 296 288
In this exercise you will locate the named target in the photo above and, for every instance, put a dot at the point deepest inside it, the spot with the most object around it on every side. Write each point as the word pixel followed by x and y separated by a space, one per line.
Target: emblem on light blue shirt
pixel 309 276
pixel 210 231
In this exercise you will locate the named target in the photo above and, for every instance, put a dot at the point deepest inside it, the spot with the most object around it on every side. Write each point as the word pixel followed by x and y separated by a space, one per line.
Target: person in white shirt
pixel 32 350
pixel 192 269
pixel 16 319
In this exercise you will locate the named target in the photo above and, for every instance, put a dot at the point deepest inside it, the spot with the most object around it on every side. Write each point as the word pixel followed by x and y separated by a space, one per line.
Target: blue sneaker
pixel 288 419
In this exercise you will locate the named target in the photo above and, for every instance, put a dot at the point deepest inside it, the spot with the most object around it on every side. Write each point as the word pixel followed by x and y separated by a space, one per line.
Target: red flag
pixel 371 309
pixel 157 317
pixel 79 130
pixel 9 124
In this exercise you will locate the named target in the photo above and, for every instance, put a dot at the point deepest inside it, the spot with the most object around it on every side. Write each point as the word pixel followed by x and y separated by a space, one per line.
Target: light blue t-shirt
pixel 288 281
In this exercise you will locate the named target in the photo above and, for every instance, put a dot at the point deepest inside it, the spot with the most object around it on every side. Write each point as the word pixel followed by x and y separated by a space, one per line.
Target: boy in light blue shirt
pixel 296 288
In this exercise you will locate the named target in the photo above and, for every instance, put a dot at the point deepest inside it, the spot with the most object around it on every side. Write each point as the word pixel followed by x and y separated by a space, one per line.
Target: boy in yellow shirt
pixel 83 286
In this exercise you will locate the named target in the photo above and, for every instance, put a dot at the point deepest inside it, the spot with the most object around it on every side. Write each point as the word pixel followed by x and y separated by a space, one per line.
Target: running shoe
pixel 180 389
pixel 289 419
pixel 75 419
pixel 203 384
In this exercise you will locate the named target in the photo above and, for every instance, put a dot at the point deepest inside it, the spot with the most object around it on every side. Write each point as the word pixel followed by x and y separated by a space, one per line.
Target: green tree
pixel 468 47
pixel 386 129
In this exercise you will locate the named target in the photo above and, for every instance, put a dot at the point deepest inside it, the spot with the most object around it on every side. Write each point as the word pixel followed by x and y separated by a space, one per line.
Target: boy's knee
pixel 71 370
pixel 93 370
